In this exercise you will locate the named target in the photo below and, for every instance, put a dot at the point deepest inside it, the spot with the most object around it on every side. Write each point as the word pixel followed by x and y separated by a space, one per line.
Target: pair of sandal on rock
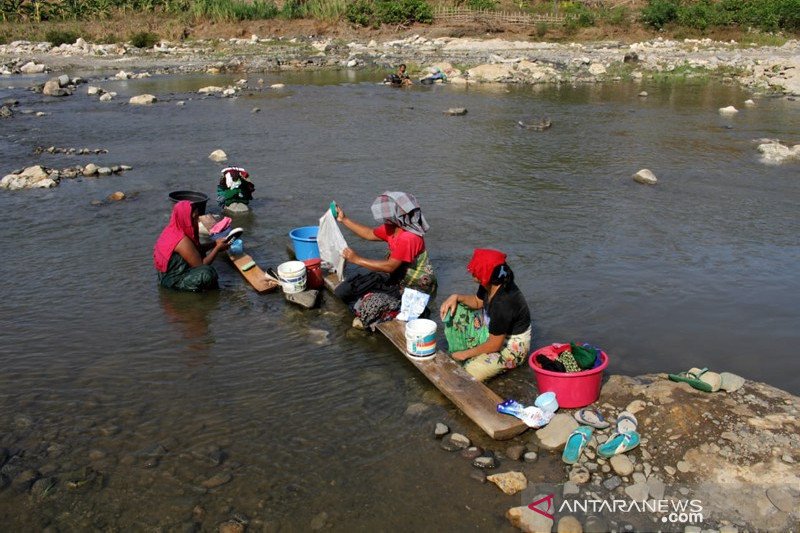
pixel 625 437
pixel 700 379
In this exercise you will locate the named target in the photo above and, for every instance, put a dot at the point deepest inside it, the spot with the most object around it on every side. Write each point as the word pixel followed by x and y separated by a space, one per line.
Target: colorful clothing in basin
pixel 234 187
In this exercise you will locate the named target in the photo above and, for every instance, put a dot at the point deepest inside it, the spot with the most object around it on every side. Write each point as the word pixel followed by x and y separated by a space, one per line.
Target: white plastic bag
pixel 413 304
pixel 331 243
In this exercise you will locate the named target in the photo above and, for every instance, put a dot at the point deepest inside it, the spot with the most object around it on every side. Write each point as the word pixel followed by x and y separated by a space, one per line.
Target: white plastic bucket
pixel 292 276
pixel 421 337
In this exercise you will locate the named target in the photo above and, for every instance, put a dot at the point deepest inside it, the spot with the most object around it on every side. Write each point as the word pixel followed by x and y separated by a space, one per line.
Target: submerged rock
pixel 645 177
pixel 142 99
pixel 775 153
pixel 440 430
pixel 218 156
pixel 509 482
pixel 529 521
pixel 456 111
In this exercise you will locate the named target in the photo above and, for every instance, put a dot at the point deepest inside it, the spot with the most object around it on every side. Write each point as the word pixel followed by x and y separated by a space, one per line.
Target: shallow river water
pixel 130 397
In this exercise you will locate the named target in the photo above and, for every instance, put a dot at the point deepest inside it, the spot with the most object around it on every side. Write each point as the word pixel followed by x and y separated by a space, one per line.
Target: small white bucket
pixel 421 337
pixel 292 276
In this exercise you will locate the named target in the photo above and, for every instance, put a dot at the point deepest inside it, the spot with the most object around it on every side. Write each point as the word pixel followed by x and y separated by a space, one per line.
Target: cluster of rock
pixel 39 177
pixel 69 151
pixel 485 459
pixel 735 452
pixel 774 152
pixel 496 60
pixel 79 47
pixel 122 75
pixel 227 91
pixel 59 86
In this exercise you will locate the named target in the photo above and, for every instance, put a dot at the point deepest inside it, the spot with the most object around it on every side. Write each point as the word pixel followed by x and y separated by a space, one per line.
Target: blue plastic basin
pixel 304 241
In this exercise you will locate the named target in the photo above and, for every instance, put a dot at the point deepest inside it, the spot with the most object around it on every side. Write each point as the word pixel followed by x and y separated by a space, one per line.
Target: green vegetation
pixel 678 17
pixel 616 16
pixel 376 12
pixel 482 5
pixel 577 15
pixel 59 37
pixel 226 10
pixel 329 10
pixel 769 15
pixel 144 39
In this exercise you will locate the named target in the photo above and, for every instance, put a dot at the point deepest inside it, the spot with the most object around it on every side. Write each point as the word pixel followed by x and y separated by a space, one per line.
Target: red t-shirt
pixel 403 245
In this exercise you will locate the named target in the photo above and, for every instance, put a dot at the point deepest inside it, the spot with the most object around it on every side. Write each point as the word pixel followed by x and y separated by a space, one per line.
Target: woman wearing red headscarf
pixel 178 255
pixel 489 331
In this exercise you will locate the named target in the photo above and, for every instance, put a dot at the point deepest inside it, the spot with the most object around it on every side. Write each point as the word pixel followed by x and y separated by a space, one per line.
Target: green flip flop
pixel 619 443
pixel 575 444
pixel 693 379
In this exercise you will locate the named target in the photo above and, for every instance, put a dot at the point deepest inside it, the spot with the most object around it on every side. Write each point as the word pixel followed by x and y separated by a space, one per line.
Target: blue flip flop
pixel 591 417
pixel 576 442
pixel 626 422
pixel 619 443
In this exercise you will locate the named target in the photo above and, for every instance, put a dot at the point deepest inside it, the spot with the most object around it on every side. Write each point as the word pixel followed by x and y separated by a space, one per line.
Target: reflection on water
pixel 137 401
pixel 191 316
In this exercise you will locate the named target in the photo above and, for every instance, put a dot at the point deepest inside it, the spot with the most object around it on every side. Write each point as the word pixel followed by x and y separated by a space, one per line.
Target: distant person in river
pixel 398 78
pixel 489 331
pixel 406 265
pixel 234 187
pixel 178 256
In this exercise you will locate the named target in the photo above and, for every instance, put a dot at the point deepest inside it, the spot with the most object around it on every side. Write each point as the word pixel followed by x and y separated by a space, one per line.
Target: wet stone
pixel 231 526
pixel 447 444
pixel 41 487
pixel 530 457
pixel 612 483
pixel 24 480
pixel 478 475
pixel 471 453
pixel 216 457
pixel 460 440
pixel 579 475
pixel 485 461
pixel 515 452
pixel 217 480
pixel 319 521
pixel 440 430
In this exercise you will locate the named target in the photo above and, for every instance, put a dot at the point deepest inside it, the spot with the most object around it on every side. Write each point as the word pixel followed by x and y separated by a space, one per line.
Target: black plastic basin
pixel 198 199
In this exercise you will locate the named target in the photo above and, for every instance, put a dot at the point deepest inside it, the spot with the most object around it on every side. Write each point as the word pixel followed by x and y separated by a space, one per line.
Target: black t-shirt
pixel 507 313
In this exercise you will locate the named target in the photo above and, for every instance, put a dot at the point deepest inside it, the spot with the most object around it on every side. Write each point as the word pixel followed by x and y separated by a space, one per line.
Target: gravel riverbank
pixel 765 69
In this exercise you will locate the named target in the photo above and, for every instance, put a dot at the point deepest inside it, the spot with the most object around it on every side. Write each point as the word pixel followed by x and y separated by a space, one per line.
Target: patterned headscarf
pixel 400 209
pixel 483 263
pixel 180 226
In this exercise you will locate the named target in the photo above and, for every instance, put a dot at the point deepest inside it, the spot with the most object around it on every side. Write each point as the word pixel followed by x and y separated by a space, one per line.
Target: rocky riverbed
pixel 770 69
pixel 733 455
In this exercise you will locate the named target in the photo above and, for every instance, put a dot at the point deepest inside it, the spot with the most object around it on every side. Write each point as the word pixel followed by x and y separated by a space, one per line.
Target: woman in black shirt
pixel 490 331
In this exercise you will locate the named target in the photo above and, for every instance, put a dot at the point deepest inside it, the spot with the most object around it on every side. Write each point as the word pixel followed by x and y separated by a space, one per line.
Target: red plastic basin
pixel 572 389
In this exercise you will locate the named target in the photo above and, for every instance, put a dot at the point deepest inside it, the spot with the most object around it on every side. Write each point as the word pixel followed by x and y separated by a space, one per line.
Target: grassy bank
pixel 759 22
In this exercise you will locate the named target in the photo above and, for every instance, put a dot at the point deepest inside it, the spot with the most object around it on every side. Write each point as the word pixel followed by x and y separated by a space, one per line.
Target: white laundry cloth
pixel 535 417
pixel 413 304
pixel 331 243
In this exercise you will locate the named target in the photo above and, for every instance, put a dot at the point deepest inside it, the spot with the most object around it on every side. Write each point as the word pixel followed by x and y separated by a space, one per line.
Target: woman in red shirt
pixel 406 264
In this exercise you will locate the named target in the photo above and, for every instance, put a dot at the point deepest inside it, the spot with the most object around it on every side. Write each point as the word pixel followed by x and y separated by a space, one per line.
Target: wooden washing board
pixel 254 276
pixel 474 398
